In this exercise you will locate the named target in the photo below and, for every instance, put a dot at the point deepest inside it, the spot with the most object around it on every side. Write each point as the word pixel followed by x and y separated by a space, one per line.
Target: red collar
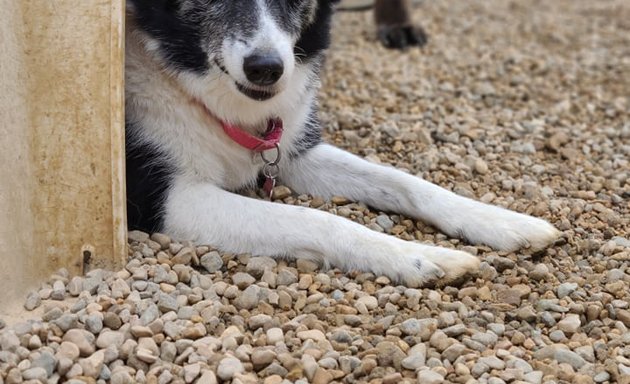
pixel 270 139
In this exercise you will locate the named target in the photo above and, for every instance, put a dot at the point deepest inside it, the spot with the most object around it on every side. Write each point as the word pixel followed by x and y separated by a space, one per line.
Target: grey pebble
pixel 211 261
pixel 32 301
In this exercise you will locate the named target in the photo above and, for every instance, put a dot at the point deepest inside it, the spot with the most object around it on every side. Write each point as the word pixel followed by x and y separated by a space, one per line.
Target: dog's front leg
pixel 326 171
pixel 233 223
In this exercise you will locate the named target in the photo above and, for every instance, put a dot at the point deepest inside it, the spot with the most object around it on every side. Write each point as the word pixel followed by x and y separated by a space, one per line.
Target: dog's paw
pixel 419 265
pixel 401 36
pixel 505 230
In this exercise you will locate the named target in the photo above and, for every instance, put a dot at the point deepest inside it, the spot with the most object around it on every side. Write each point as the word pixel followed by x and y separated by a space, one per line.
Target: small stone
pixel 84 340
pixel 68 350
pixel 184 256
pixel 120 289
pixel 243 280
pixel 453 352
pixel 59 290
pixel 561 354
pixel 108 338
pixel 167 303
pixel 624 316
pixel 565 289
pixel 94 323
pixel 286 277
pixel 570 324
pixel 93 365
pixel 256 266
pixel 191 372
pixel 370 302
pixel 322 376
pixel 249 298
pixel 509 296
pixel 455 330
pixel 556 141
pixel 36 373
pixel 211 261
pixel 493 362
pixel 66 321
pixel 385 222
pixel 262 358
pixel 557 336
pixel 534 377
pixel 339 200
pixel 75 286
pixel 47 361
pixel 139 331
pixel 274 335
pixel 228 367
pixel 122 377
pixel 306 266
pixel 207 377
pixel 413 362
pixel 313 334
pixel 411 327
pixel 527 314
pixel 163 240
pixel 481 167
pixel 112 320
pixel 280 192
pixel 539 273
pixel 390 355
pixel 32 301
pixel 428 376
pixel 137 236
pixel 601 377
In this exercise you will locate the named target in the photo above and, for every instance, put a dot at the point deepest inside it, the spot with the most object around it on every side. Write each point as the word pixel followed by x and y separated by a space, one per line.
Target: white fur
pixel 199 208
pixel 339 173
pixel 269 39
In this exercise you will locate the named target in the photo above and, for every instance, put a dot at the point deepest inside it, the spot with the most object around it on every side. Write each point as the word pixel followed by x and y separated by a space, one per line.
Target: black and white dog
pixel 220 92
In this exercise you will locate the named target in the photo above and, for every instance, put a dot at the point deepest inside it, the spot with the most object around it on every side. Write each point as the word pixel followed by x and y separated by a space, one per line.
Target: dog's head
pixel 250 50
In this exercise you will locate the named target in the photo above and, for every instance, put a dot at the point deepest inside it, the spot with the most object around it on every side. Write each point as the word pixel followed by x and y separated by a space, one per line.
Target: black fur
pixel 147 182
pixel 311 135
pixel 180 43
pixel 316 37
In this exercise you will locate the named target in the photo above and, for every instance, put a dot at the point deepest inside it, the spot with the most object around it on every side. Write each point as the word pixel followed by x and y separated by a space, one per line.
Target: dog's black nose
pixel 263 69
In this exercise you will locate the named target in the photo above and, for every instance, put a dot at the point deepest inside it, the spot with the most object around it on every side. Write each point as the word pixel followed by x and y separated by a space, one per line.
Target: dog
pixel 221 93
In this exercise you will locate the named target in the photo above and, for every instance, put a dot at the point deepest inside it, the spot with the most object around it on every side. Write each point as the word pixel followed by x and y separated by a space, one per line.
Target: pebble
pixel 314 334
pixel 32 301
pixel 256 266
pixel 570 324
pixel 211 261
pixel 84 340
pixel 229 367
pixel 274 335
pixel 36 373
pixel 429 377
pixel 566 289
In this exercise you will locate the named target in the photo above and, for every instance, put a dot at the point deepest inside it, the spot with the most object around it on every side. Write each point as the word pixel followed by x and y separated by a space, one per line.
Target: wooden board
pixel 62 194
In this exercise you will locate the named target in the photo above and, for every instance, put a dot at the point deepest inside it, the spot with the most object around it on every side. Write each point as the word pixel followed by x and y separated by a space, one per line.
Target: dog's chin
pixel 255 94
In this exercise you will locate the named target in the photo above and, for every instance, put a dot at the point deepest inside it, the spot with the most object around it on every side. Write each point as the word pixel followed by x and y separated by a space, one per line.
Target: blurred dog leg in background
pixel 395 27
pixel 393 18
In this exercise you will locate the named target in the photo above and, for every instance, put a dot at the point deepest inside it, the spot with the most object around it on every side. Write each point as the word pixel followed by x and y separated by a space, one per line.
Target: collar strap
pixel 270 139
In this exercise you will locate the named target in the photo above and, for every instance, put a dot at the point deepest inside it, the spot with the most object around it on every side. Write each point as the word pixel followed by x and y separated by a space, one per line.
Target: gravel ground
pixel 521 104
